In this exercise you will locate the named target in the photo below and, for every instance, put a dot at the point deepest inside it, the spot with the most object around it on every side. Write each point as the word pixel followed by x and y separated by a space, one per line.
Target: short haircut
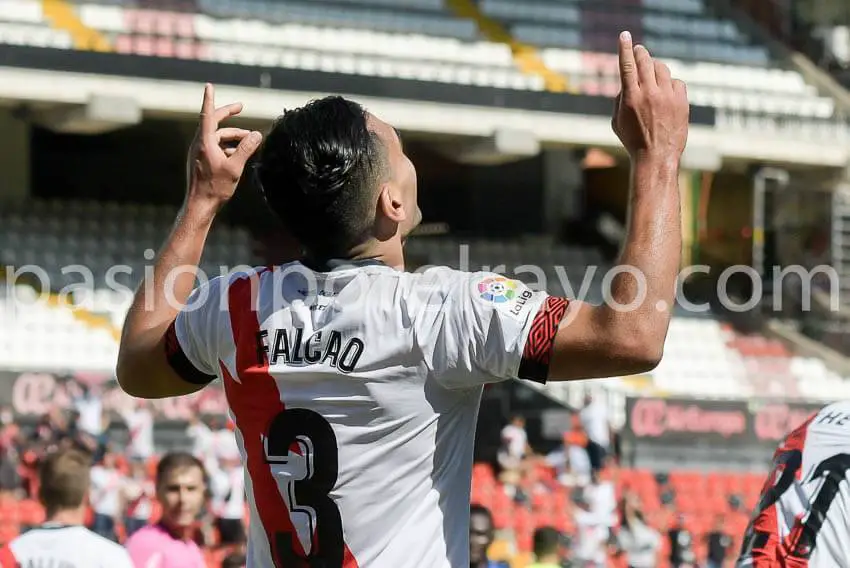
pixel 546 541
pixel 319 170
pixel 176 460
pixel 64 479
pixel 477 509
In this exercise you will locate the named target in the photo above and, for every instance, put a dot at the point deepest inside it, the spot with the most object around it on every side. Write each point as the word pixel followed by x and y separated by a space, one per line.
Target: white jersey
pixel 803 516
pixel 63 546
pixel 355 393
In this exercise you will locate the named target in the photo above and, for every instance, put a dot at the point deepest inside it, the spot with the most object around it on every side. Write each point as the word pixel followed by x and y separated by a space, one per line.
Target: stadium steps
pixel 825 83
pixel 63 16
pixel 526 57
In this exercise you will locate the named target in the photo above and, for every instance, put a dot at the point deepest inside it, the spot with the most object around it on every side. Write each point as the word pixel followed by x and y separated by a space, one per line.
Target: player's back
pixel 355 394
pixel 803 516
pixel 62 546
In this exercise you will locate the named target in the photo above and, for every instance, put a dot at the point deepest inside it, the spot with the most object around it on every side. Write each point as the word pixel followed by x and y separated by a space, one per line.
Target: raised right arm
pixel 651 119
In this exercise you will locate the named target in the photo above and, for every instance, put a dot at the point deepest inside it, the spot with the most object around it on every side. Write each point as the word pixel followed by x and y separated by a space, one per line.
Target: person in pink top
pixel 181 488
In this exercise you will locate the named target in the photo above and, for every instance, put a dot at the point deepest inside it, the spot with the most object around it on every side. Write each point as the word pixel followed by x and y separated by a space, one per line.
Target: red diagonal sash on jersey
pixel 774 552
pixel 255 401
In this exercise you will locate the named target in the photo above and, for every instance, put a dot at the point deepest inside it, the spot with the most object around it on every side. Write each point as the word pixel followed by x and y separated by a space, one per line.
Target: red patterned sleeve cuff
pixel 538 347
pixel 180 362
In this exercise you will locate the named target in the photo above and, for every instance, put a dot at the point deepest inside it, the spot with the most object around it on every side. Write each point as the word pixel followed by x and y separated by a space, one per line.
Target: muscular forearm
pixel 159 298
pixel 653 251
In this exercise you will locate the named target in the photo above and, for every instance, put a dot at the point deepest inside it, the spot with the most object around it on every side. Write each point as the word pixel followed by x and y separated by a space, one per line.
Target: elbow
pixel 641 352
pixel 127 375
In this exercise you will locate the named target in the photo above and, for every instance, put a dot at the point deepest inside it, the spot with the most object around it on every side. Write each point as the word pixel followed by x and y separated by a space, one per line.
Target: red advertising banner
pixel 34 394
pixel 730 422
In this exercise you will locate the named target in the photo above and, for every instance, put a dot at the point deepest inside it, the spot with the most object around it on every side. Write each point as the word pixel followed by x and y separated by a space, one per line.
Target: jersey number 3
pixel 801 541
pixel 301 449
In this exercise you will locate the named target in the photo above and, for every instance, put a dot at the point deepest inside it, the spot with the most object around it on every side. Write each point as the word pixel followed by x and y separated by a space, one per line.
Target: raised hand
pixel 652 112
pixel 218 156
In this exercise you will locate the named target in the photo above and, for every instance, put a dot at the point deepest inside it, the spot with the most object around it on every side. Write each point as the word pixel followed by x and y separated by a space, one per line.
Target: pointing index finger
pixel 208 122
pixel 628 67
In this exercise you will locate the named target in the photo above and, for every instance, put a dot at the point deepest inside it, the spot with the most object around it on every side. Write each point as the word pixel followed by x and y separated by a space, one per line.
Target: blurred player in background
pixel 356 407
pixel 547 548
pixel 181 489
pixel 481 535
pixel 63 540
pixel 802 519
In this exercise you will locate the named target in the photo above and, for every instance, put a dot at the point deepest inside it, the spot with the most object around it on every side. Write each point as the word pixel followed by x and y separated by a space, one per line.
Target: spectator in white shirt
pixel 202 438
pixel 636 540
pixel 601 497
pixel 63 540
pixel 594 419
pixel 513 453
pixel 106 485
pixel 89 405
pixel 137 496
pixel 592 534
pixel 139 420
pixel 228 499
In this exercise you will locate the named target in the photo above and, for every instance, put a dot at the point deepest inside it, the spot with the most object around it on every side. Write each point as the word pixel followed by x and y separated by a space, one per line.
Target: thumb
pixel 246 149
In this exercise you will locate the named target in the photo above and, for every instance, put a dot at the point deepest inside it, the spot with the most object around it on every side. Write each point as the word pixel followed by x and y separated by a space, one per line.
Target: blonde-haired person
pixel 63 540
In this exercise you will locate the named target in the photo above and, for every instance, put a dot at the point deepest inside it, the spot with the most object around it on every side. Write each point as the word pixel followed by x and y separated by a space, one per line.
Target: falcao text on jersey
pixel 290 347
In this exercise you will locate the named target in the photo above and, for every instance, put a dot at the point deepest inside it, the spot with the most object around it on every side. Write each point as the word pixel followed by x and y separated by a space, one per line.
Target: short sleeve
pixel 477 328
pixel 191 342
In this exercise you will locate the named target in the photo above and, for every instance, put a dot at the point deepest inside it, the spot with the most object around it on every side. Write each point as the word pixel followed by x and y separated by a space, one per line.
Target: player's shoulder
pixel 108 549
pixel 447 278
pixel 834 417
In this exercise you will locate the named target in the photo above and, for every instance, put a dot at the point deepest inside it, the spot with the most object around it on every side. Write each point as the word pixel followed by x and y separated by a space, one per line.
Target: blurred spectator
pixel 547 544
pixel 139 420
pixel 594 419
pixel 10 448
pixel 202 438
pixel 572 467
pixel 512 454
pixel 227 484
pixel 636 540
pixel 63 540
pixel 106 485
pixel 181 488
pixel 719 544
pixel 601 496
pixel 591 534
pixel 137 496
pixel 89 407
pixel 481 534
pixel 681 545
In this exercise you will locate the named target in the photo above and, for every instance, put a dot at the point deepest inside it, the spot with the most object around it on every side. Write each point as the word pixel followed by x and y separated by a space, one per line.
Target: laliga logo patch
pixel 497 289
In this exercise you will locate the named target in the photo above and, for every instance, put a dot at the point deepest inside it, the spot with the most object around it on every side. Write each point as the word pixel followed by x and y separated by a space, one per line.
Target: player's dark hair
pixel 546 541
pixel 476 509
pixel 319 169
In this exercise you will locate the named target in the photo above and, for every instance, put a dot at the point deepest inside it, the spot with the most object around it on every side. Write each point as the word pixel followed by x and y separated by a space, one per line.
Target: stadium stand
pixel 426 41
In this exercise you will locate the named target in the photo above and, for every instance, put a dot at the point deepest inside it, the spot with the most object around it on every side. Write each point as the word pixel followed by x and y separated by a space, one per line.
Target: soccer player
pixel 182 490
pixel 63 540
pixel 802 519
pixel 354 385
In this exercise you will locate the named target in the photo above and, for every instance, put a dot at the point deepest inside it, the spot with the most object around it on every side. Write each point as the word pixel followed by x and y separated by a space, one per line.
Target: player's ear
pixel 390 204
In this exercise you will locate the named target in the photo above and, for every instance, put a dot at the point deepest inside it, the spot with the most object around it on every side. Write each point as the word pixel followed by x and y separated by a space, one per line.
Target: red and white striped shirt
pixel 802 519
pixel 355 393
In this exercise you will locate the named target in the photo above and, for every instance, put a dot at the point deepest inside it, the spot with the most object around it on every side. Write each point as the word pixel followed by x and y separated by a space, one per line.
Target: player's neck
pixel 68 517
pixel 388 252
pixel 185 533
